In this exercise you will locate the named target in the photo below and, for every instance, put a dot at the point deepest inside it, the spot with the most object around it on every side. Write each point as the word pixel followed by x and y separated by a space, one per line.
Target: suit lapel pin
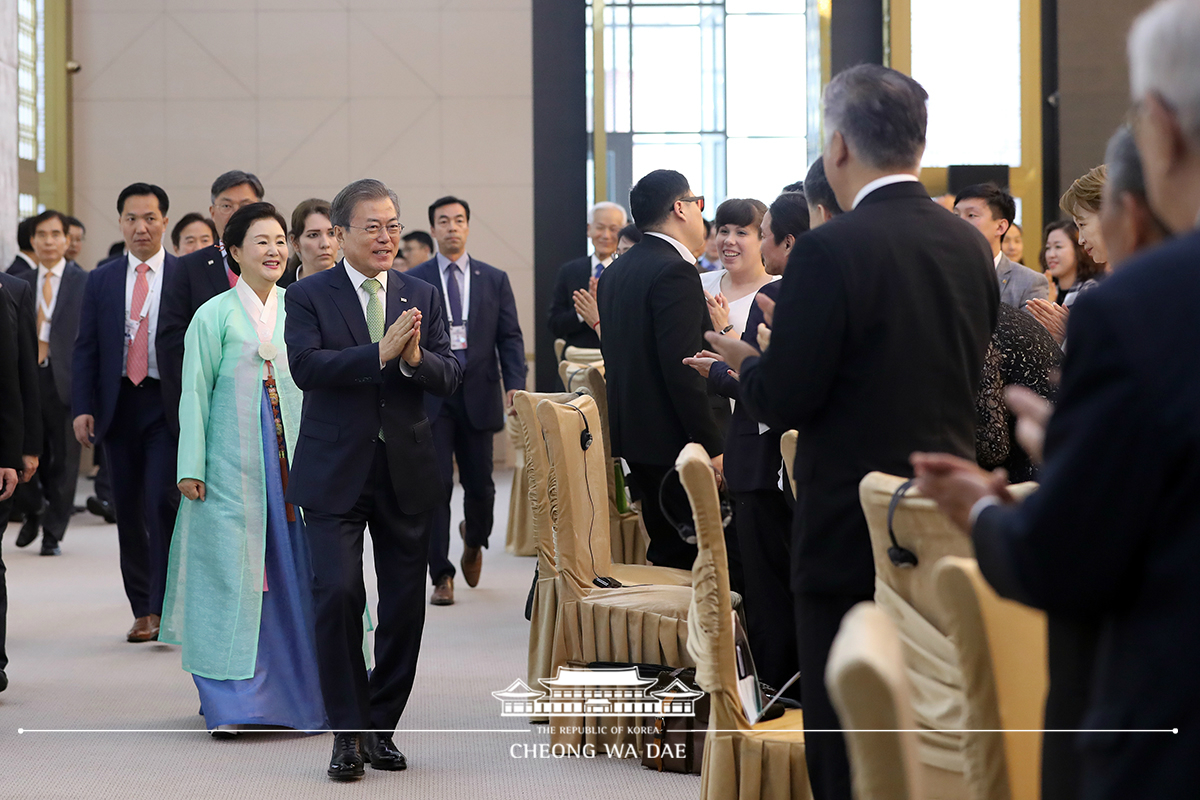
pixel 403 299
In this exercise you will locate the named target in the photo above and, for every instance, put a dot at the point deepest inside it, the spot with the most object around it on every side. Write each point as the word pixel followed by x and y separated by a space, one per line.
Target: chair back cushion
pixel 869 688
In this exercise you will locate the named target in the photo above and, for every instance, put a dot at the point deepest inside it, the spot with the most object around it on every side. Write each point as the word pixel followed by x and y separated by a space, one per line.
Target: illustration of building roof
pixel 517 691
pixel 678 691
pixel 582 676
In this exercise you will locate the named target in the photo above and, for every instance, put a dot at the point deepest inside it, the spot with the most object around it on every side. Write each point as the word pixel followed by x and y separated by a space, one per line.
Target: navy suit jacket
pixel 564 322
pixel 199 278
pixel 20 297
pixel 1113 534
pixel 348 399
pixel 64 324
pixel 12 412
pixel 752 460
pixel 495 346
pixel 99 348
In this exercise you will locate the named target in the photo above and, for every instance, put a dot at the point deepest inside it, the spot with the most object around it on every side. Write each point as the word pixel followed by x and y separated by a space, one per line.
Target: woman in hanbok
pixel 238 596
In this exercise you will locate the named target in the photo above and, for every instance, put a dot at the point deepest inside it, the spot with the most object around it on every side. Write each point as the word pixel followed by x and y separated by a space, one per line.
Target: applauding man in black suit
pixel 883 319
pixel 654 316
pixel 365 343
pixel 605 221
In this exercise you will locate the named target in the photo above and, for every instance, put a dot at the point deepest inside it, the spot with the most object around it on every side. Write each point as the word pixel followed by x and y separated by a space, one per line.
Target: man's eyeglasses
pixel 227 207
pixel 697 199
pixel 393 230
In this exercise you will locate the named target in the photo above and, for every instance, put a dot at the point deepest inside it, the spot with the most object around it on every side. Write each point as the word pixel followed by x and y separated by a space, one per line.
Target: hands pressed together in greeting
pixel 403 339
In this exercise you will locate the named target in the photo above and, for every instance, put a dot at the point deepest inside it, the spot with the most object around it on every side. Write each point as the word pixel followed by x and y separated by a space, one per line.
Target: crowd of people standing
pixel 261 400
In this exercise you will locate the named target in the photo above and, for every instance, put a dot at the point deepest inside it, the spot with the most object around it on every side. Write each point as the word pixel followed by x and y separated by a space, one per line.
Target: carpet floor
pixel 87 715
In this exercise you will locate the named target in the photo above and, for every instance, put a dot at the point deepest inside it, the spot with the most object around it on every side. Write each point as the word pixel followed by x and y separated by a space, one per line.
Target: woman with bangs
pixel 730 290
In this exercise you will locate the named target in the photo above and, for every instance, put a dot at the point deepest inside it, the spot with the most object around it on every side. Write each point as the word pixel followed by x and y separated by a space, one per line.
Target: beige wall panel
pixel 433 97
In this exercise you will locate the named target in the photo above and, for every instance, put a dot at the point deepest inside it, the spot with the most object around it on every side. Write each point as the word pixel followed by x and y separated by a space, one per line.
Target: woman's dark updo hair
pixel 239 224
pixel 746 213
pixel 1085 266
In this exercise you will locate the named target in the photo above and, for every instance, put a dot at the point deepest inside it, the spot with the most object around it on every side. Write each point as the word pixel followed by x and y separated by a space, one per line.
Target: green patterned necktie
pixel 374 315
pixel 374 308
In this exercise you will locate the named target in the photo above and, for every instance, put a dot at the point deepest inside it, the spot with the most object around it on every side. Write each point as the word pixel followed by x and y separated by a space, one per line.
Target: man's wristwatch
pixel 727 329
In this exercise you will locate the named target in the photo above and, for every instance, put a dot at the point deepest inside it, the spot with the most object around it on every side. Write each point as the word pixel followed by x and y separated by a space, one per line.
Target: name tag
pixel 131 329
pixel 458 337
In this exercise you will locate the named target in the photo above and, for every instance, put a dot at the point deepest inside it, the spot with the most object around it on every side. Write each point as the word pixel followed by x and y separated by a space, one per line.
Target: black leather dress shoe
pixel 345 764
pixel 102 508
pixel 50 549
pixel 29 530
pixel 380 751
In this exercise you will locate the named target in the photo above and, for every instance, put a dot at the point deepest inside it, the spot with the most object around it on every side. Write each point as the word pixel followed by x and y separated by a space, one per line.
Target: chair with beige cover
pixel 787 449
pixel 909 595
pixel 537 476
pixel 1001 646
pixel 627 535
pixel 583 355
pixel 741 760
pixel 572 373
pixel 869 688
pixel 644 620
pixel 519 540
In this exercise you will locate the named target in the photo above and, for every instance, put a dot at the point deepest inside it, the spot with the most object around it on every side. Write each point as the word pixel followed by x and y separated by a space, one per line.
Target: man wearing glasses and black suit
pixel 655 316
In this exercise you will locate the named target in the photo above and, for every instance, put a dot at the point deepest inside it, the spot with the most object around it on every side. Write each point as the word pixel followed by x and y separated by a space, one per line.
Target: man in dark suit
pixel 605 221
pixel 1112 536
pixel 58 294
pixel 12 441
pixel 201 276
pixel 25 260
pixel 365 344
pixel 119 399
pixel 654 316
pixel 895 293
pixel 992 211
pixel 485 337
pixel 19 296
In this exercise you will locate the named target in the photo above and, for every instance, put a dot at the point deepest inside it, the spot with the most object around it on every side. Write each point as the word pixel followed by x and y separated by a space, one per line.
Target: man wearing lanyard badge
pixel 485 337
pixel 118 399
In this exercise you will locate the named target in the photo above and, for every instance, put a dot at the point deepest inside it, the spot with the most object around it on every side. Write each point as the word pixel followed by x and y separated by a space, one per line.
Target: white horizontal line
pixel 694 730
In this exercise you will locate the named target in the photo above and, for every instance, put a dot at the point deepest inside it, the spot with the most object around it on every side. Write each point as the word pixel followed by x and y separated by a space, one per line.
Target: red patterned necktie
pixel 137 362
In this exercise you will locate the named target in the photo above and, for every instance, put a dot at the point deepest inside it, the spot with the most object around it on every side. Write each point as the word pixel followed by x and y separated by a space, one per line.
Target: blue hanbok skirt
pixel 285 690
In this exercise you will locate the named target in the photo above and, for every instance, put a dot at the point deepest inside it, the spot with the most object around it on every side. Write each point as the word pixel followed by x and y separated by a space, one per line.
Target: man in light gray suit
pixel 992 210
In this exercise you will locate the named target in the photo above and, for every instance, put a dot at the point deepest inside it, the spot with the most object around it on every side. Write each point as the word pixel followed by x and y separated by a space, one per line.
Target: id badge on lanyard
pixel 458 337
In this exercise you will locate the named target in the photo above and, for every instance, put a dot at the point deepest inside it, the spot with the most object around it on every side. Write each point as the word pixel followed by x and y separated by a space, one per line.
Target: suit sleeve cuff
pixel 987 501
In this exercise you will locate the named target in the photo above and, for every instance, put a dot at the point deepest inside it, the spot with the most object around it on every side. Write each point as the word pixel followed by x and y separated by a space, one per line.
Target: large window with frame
pixel 713 89
pixel 31 103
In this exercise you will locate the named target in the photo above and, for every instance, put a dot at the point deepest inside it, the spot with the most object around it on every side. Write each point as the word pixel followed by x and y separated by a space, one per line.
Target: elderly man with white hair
pixel 1113 535
pixel 573 314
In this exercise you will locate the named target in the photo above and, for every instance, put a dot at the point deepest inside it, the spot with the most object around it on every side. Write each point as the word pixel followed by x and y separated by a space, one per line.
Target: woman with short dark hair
pixel 238 595
pixel 730 290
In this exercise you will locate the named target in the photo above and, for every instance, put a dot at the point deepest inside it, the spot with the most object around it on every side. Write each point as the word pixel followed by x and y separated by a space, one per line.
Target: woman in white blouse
pixel 730 291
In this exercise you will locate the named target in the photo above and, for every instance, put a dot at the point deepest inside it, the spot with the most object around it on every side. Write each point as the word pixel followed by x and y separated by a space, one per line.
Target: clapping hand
pixel 956 484
pixel 702 362
pixel 763 336
pixel 586 307
pixel 718 310
pixel 1033 414
pixel 1052 316
pixel 730 350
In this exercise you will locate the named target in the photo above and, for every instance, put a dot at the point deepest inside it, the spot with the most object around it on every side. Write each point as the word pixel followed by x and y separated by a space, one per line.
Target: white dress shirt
pixel 996 259
pixel 154 276
pixel 879 183
pixel 683 251
pixel 357 279
pixel 596 261
pixel 54 274
pixel 464 284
